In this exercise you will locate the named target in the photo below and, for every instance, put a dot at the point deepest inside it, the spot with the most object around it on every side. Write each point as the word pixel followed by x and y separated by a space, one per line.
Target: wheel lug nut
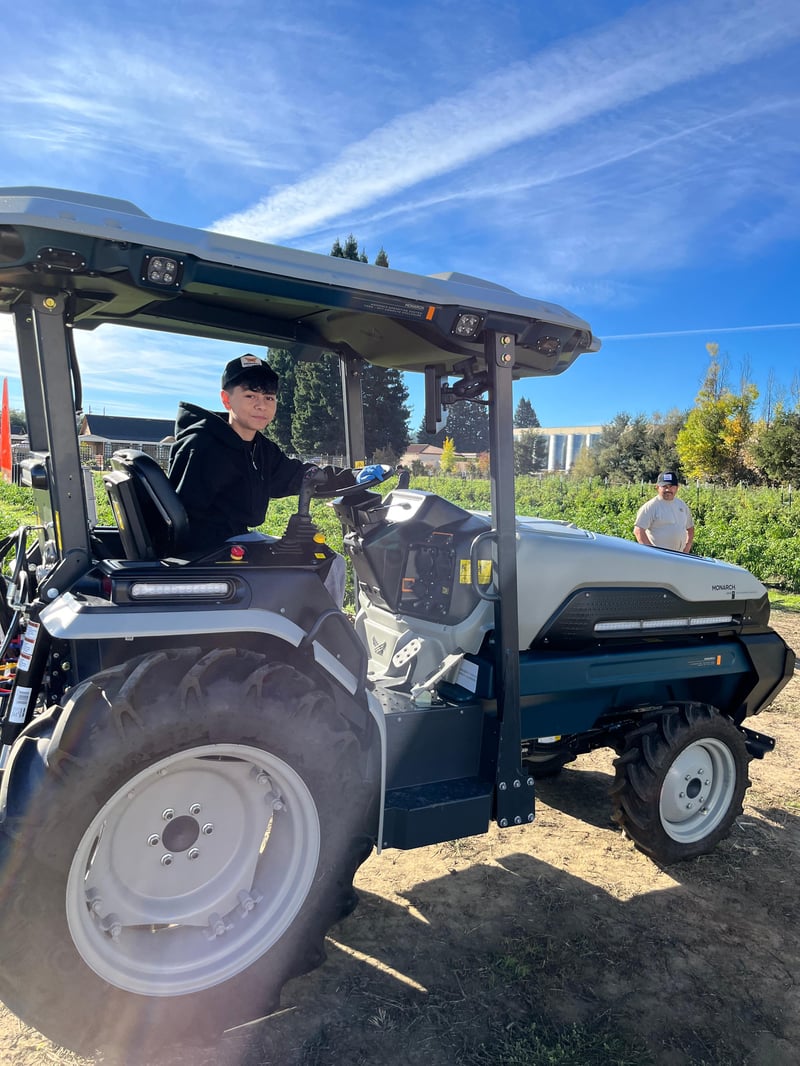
pixel 168 814
pixel 112 925
pixel 153 839
pixel 166 860
pixel 193 854
pixel 195 808
pixel 207 829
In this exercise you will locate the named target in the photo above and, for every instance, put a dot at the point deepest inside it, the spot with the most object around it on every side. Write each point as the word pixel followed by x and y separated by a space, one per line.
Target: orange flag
pixel 5 435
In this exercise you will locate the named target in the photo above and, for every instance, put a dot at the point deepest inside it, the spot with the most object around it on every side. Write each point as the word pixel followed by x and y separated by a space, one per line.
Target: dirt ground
pixel 553 943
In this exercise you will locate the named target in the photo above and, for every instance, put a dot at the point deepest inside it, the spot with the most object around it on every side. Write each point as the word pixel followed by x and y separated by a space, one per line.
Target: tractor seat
pixel 152 520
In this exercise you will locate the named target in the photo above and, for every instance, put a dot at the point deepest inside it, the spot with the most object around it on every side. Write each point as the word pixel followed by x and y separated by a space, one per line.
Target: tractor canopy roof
pixel 117 265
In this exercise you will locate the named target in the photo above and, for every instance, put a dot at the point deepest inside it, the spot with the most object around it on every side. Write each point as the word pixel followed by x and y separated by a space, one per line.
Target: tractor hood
pixel 602 587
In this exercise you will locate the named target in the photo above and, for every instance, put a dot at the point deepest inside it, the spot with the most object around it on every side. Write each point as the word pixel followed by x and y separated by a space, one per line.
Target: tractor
pixel 198 751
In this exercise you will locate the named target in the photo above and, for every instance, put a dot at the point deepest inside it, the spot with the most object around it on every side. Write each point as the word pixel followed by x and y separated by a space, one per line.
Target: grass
pixel 537 1044
pixel 784 601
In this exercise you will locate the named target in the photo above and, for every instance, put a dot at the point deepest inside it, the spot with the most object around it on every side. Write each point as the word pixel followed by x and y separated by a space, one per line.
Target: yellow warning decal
pixel 465 571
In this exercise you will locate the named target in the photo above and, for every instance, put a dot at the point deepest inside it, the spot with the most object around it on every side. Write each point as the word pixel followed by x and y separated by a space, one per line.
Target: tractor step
pixel 431 813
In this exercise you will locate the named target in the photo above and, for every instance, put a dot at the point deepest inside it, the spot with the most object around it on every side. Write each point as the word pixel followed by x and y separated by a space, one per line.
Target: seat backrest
pixel 151 518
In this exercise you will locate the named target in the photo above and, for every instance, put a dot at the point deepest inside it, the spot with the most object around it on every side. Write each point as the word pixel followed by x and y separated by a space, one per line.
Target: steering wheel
pixel 316 481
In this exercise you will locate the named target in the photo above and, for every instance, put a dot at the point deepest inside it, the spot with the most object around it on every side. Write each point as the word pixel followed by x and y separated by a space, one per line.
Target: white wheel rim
pixel 697 791
pixel 193 869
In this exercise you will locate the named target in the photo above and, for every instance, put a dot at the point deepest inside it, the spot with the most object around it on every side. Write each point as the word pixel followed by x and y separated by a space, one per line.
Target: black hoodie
pixel 224 482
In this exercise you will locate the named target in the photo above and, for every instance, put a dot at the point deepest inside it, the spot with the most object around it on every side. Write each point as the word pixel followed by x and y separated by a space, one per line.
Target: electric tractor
pixel 198 751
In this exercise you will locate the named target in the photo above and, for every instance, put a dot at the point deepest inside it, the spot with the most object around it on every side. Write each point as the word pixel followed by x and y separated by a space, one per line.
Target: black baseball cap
pixel 250 370
pixel 667 478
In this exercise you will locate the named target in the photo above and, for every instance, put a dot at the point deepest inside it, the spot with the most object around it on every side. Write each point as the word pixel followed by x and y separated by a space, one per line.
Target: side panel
pixel 563 693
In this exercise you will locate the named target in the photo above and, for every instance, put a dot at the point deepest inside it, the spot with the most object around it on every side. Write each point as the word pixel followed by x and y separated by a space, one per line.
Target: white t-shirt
pixel 665 522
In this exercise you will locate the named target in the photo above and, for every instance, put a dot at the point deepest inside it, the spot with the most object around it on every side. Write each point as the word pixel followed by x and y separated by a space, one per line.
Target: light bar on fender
pixel 162 590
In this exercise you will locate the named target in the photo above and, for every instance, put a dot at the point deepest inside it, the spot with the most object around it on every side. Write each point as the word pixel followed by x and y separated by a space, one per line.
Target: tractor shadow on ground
pixel 462 960
pixel 582 794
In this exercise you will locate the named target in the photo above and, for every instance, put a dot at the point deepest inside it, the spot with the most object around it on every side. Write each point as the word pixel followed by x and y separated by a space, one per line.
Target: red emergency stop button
pixel 237 552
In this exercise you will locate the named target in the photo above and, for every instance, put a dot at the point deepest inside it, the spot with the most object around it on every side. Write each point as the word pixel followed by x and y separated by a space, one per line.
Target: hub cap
pixel 697 790
pixel 193 870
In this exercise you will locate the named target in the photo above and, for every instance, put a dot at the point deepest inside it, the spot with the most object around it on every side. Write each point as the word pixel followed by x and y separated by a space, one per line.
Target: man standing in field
pixel 665 521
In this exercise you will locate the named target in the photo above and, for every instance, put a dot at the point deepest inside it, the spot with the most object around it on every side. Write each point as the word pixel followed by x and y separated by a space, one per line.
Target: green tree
pixel 712 444
pixel 776 450
pixel 318 419
pixel 467 423
pixel 280 429
pixel 529 452
pixel 624 451
pixel 525 416
pixel 17 420
pixel 386 412
pixel 447 463
pixel 633 448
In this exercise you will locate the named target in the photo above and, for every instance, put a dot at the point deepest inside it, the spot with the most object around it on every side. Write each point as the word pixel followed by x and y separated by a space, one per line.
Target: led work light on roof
pixel 548 345
pixel 468 325
pixel 162 270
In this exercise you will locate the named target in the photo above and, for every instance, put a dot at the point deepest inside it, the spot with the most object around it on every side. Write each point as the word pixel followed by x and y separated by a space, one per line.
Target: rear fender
pixel 73 619
pixel 331 642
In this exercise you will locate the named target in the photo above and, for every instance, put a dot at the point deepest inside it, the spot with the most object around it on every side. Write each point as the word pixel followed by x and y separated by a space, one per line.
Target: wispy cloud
pixel 209 96
pixel 641 54
pixel 710 331
pixel 121 366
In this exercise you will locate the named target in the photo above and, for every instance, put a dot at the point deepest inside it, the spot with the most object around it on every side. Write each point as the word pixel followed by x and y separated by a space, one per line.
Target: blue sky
pixel 635 162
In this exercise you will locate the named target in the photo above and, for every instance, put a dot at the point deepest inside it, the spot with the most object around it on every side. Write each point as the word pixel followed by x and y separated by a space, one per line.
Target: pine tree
pixel 280 429
pixel 525 416
pixel 467 424
pixel 318 423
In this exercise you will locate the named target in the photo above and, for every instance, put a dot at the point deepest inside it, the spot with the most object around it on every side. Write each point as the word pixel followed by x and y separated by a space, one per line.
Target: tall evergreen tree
pixel 467 425
pixel 525 416
pixel 318 421
pixel 318 424
pixel 280 429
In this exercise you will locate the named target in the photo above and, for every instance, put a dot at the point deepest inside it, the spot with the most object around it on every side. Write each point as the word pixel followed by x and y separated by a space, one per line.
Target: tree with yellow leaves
pixel 711 446
pixel 447 463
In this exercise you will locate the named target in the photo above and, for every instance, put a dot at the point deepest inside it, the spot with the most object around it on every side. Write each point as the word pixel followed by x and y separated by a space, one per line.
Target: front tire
pixel 680 781
pixel 192 831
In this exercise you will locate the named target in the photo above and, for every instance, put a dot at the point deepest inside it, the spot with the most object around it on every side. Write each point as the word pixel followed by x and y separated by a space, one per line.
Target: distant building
pixel 428 454
pixel 101 435
pixel 564 443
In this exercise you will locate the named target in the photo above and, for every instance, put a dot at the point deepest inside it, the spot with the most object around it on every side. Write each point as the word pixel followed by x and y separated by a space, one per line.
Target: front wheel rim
pixel 698 790
pixel 193 870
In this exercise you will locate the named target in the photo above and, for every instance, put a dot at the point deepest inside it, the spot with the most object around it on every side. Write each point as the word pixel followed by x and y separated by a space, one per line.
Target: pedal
pixel 407 652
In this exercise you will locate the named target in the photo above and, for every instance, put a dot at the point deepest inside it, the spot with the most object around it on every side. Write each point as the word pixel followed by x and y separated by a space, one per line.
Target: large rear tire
pixel 177 843
pixel 680 780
